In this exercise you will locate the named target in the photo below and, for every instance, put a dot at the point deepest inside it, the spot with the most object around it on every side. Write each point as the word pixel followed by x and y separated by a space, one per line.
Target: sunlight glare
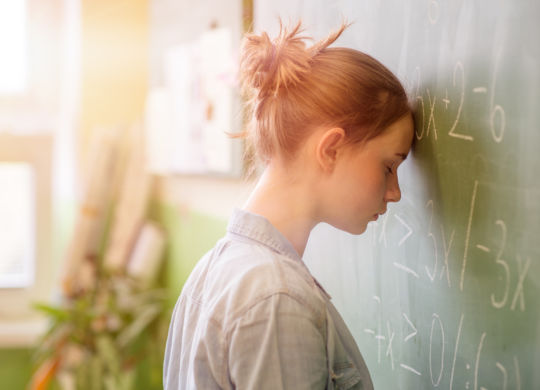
pixel 13 67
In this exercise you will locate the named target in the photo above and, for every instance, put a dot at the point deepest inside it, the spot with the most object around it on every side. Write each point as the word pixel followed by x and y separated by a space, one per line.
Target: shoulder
pixel 245 275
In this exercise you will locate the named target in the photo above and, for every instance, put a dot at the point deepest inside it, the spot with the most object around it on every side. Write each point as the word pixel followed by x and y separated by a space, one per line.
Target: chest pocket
pixel 345 376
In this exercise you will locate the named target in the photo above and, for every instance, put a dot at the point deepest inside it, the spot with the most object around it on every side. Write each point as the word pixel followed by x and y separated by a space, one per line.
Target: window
pixel 17 224
pixel 26 271
pixel 39 102
pixel 13 47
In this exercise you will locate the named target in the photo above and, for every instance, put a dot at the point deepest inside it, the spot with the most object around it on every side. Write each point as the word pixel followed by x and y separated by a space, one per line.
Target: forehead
pixel 398 136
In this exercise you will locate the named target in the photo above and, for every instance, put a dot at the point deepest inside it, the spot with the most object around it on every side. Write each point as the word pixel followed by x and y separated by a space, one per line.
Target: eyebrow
pixel 402 155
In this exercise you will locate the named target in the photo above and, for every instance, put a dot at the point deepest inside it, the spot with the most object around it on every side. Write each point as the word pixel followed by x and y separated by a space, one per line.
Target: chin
pixel 356 230
pixel 359 231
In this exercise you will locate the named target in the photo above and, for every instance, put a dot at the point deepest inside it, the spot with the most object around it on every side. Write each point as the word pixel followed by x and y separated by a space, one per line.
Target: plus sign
pixel 446 101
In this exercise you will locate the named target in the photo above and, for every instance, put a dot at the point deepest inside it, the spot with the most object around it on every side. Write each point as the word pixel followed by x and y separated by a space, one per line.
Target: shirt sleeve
pixel 278 344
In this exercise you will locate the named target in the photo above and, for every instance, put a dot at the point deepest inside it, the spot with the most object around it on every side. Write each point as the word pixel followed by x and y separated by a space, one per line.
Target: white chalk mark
pixel 451 133
pixel 380 337
pixel 480 90
pixel 421 100
pixel 431 276
pixel 495 108
pixel 406 269
pixel 500 304
pixel 519 287
pixel 431 115
pixel 446 254
pixel 370 331
pixel 455 351
pixel 378 299
pixel 500 110
pixel 483 248
pixel 404 238
pixel 477 363
pixel 505 375
pixel 468 235
pixel 410 335
pixel 436 317
pixel 389 350
pixel 518 376
pixel 408 368
pixel 446 100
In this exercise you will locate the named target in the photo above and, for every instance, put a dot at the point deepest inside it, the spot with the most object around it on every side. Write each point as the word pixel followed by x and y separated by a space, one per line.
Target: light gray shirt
pixel 251 316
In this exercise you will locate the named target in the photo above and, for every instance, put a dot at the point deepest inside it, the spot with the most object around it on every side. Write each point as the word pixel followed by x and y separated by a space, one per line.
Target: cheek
pixel 376 185
pixel 369 194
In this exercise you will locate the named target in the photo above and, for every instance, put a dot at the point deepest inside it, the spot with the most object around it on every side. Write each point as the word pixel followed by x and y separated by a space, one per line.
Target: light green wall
pixel 190 234
pixel 15 368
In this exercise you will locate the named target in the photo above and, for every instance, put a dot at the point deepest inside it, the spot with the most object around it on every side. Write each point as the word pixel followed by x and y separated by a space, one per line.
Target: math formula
pixel 454 279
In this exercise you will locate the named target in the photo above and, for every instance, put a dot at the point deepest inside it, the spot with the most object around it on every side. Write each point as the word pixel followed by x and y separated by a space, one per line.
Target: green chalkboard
pixel 444 291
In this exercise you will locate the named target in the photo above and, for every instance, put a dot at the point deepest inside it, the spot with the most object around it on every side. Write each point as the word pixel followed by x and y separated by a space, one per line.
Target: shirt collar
pixel 256 227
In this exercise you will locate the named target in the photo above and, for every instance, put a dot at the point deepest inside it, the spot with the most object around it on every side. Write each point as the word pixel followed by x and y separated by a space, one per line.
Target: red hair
pixel 291 90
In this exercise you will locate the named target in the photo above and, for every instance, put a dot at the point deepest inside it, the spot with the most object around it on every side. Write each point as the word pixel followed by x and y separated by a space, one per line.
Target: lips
pixel 376 216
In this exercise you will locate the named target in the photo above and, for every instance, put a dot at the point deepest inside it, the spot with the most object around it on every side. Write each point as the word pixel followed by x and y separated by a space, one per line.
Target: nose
pixel 393 192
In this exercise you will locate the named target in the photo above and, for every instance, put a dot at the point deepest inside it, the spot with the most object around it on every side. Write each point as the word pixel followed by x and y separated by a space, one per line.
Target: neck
pixel 287 202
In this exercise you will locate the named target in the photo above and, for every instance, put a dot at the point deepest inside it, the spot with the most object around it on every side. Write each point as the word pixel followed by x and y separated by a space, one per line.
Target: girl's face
pixel 365 177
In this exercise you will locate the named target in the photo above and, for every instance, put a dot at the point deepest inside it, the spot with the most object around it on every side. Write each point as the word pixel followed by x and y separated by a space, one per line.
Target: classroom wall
pixel 193 209
pixel 114 79
pixel 122 44
pixel 114 64
pixel 190 234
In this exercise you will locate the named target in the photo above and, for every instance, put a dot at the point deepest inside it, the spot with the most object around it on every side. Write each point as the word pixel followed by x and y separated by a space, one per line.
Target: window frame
pixel 20 324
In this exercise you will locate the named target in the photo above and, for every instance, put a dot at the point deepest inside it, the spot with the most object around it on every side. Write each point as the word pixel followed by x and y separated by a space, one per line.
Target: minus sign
pixel 483 248
pixel 480 90
pixel 408 368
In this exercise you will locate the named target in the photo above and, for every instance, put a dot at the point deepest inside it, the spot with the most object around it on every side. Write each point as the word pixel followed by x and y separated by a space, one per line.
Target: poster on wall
pixel 188 120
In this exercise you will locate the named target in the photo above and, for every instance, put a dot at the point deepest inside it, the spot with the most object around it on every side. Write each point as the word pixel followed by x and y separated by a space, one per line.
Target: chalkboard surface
pixel 444 290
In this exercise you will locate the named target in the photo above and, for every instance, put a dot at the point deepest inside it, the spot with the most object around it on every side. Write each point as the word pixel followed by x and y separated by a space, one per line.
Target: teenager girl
pixel 331 126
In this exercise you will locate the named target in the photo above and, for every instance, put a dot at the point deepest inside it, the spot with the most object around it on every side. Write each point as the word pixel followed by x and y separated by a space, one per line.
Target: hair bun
pixel 268 65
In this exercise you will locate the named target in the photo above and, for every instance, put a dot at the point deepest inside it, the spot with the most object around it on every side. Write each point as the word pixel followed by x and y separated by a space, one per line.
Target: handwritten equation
pixel 449 250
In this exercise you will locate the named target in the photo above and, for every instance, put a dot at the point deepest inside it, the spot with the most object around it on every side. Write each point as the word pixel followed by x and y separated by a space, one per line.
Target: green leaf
pixel 109 353
pixel 59 314
pixel 138 325
pixel 97 373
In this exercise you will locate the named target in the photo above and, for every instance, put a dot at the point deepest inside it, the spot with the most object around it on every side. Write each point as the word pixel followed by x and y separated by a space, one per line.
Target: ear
pixel 328 148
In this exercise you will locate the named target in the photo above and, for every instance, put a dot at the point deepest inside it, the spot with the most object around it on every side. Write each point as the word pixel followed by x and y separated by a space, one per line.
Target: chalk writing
pixel 468 235
pixel 502 263
pixel 436 319
pixel 458 69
